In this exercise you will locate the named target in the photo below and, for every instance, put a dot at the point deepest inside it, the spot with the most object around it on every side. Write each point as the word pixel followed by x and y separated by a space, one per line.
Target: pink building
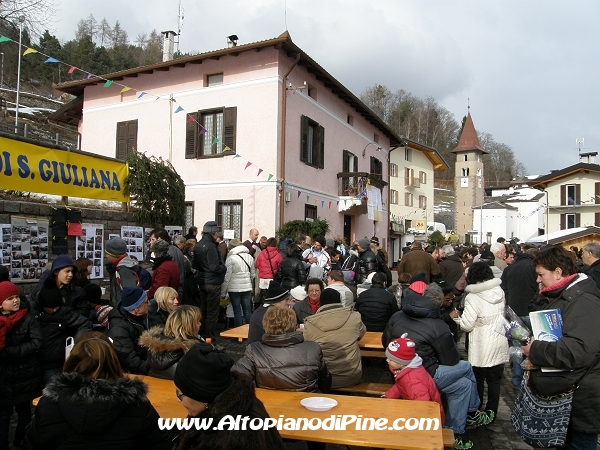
pixel 260 133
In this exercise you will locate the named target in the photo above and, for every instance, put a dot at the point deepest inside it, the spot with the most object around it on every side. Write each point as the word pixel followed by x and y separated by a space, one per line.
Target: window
pixel 214 79
pixel 350 162
pixel 229 216
pixel 465 171
pixel 376 168
pixel 407 154
pixel 210 133
pixel 568 221
pixel 422 202
pixel 570 194
pixel 312 92
pixel 408 176
pixel 465 158
pixel 393 197
pixel 408 199
pixel 310 212
pixel 407 224
pixel 423 177
pixel 376 138
pixel 189 215
pixel 393 170
pixel 350 120
pixel 126 138
pixel 312 143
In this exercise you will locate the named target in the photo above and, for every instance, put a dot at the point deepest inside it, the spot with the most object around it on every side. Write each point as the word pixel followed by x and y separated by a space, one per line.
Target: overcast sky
pixel 530 68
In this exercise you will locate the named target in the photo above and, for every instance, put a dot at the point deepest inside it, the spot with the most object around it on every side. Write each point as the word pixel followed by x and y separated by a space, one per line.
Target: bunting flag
pixel 329 205
pixel 315 201
pixel 248 164
pixel 202 131
pixel 71 69
pixel 299 193
pixel 270 176
pixel 108 83
pixel 142 94
pixel 307 199
pixel 215 140
pixel 51 60
pixel 125 89
pixel 259 172
pixel 236 156
pixel 322 203
pixel 226 149
pixel 179 109
pixel 286 184
pixel 4 39
pixel 89 75
pixel 29 50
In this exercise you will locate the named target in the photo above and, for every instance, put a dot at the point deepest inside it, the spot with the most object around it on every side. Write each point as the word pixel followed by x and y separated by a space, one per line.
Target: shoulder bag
pixel 542 421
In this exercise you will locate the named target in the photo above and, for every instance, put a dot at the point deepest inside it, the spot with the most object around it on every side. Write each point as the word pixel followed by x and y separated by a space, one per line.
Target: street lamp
pixel 21 20
pixel 2 73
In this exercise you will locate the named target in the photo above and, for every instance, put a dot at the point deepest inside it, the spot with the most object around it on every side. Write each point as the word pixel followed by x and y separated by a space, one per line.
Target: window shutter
pixel 563 196
pixel 424 177
pixel 132 130
pixel 355 164
pixel 320 147
pixel 578 195
pixel 577 219
pixel 597 193
pixel 346 162
pixel 304 139
pixel 191 136
pixel 121 140
pixel 597 219
pixel 563 221
pixel 229 127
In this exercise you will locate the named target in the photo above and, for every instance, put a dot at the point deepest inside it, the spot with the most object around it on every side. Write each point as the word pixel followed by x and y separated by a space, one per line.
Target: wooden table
pixel 162 395
pixel 371 339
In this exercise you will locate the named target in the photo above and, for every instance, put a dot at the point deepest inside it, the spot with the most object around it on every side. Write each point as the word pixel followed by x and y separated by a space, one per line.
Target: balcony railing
pixel 355 183
pixel 412 181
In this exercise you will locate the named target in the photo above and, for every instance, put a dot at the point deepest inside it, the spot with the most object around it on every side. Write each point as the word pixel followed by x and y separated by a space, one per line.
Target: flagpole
pixel 21 20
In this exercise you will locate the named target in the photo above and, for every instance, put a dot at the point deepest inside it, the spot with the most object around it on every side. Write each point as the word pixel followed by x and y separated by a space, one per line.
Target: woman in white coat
pixel 238 281
pixel 488 349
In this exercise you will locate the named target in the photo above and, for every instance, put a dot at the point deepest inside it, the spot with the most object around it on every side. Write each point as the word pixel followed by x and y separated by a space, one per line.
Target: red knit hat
pixel 401 350
pixel 418 287
pixel 8 289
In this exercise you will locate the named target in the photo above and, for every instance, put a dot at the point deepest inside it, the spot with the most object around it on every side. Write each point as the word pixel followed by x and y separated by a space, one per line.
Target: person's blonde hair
pixel 183 323
pixel 279 320
pixel 189 245
pixel 163 294
pixel 93 356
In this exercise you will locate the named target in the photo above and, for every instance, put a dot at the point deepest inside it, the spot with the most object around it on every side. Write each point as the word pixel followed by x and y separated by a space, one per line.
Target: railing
pixel 42 136
pixel 412 181
pixel 355 183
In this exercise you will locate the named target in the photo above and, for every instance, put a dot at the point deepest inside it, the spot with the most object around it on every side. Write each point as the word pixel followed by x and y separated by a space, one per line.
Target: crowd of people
pixel 307 302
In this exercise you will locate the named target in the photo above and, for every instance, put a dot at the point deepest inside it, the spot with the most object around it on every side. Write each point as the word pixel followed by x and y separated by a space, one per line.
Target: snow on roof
pixel 556 235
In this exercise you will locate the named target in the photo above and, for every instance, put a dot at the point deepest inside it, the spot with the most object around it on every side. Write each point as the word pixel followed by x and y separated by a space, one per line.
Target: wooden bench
pixel 364 389
pixel 372 354
pixel 448 437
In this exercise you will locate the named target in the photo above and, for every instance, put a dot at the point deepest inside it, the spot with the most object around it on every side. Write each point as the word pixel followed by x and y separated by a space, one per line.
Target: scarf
pixel 561 284
pixel 8 323
pixel 314 307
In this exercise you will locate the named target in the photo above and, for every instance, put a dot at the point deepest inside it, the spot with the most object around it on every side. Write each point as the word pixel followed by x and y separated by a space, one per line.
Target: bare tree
pixel 118 36
pixel 36 14
pixel 104 30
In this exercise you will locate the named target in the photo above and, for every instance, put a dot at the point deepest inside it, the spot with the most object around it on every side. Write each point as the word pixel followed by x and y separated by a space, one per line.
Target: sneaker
pixel 479 418
pixel 461 442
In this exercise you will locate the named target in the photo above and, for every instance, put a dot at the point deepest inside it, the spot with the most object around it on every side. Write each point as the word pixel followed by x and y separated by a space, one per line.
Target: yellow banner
pixel 420 225
pixel 33 168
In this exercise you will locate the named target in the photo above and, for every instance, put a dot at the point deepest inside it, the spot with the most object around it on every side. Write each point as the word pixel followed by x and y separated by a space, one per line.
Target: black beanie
pixel 203 373
pixel 50 295
pixel 93 293
pixel 330 296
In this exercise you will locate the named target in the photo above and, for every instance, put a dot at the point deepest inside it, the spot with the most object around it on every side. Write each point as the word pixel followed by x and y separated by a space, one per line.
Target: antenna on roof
pixel 579 143
pixel 468 105
pixel 179 24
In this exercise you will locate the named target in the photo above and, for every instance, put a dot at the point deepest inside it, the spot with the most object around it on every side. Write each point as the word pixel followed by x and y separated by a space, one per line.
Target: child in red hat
pixel 412 381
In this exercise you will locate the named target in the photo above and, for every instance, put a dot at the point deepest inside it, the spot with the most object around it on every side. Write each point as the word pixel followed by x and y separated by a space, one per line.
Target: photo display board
pixel 134 239
pixel 90 245
pixel 26 244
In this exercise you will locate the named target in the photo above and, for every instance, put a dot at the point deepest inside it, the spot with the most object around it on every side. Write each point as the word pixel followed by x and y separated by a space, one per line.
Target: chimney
pixel 168 40
pixel 232 40
pixel 588 158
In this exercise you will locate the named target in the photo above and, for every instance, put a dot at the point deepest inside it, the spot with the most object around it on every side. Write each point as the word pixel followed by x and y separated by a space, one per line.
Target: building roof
pixel 283 41
pixel 439 163
pixel 468 138
pixel 557 237
pixel 496 205
pixel 545 180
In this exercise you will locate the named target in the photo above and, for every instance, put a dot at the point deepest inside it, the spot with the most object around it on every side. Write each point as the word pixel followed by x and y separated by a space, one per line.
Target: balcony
pixel 412 182
pixel 353 184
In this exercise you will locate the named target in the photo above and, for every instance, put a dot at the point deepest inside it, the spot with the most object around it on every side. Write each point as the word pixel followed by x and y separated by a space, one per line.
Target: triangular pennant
pixel 299 193
pixel 286 184
pixel 248 164
pixel 125 89
pixel 307 199
pixel 322 203
pixel 190 119
pixel 259 172
pixel 337 202
pixel 4 39
pixel 215 141
pixel 329 205
pixel 315 201
pixel 142 94
pixel 236 156
pixel 108 83
pixel 29 50
pixel 89 75
pixel 202 131
pixel 51 60
pixel 270 176
pixel 226 149
pixel 71 69
pixel 179 109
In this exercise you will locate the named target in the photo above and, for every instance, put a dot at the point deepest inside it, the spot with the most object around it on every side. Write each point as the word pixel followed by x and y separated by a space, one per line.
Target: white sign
pixel 228 234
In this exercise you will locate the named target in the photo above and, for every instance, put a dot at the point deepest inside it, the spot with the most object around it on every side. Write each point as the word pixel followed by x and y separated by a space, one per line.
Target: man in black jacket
pixel 126 323
pixel 376 305
pixel 451 267
pixel 369 262
pixel 210 275
pixel 590 254
pixel 420 318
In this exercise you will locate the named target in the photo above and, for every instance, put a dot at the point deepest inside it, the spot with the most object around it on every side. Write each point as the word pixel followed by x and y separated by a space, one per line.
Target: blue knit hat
pixel 132 298
pixel 62 261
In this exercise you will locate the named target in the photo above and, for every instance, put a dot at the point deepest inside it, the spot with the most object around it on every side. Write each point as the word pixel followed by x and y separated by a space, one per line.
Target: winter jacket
pixel 579 304
pixel 156 317
pixel 376 306
pixel 177 255
pixel 451 269
pixel 484 306
pixel 592 271
pixel 302 310
pixel 416 261
pixel 19 371
pixel 73 296
pixel 165 273
pixel 123 273
pixel 77 412
pixel 240 271
pixel 207 261
pixel 346 295
pixel 164 352
pixel 337 330
pixel 256 330
pixel 55 329
pixel 420 318
pixel 286 362
pixel 291 273
pixel 239 400
pixel 267 263
pixel 519 282
pixel 125 330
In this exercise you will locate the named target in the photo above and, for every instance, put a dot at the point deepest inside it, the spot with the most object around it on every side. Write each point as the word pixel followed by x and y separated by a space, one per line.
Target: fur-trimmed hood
pixel 155 341
pixel 90 405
